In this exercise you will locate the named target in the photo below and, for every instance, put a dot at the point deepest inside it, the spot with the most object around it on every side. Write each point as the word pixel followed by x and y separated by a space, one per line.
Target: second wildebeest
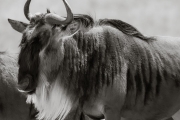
pixel 12 103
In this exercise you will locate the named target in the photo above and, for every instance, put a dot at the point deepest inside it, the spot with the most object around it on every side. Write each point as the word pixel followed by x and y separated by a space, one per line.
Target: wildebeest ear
pixel 73 27
pixel 17 25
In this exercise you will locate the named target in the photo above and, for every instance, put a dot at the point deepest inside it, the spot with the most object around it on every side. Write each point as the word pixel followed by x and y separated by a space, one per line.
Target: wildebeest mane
pixel 124 27
pixel 87 21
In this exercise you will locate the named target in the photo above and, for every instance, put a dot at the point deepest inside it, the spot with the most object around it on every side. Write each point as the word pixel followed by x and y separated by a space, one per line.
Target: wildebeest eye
pixel 60 26
pixel 63 27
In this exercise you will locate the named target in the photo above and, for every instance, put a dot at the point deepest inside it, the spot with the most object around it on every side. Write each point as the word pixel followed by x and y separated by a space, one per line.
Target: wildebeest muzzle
pixel 27 84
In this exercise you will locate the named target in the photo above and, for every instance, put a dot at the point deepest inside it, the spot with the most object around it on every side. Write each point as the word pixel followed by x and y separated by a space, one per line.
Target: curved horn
pixel 55 19
pixel 26 9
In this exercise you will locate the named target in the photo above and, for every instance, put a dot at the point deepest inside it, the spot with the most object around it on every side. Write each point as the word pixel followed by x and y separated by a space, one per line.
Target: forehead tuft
pixel 37 16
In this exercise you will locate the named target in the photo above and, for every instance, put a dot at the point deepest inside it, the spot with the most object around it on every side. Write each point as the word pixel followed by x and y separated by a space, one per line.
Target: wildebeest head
pixel 42 56
pixel 36 36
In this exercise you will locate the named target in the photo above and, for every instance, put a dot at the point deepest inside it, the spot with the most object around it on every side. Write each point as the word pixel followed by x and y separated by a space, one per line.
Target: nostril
pixel 24 83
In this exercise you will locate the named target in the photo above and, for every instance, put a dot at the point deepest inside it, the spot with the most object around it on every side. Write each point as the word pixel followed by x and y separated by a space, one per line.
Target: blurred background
pixel 151 17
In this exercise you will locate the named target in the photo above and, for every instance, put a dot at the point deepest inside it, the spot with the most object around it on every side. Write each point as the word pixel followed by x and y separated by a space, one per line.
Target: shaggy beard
pixel 51 101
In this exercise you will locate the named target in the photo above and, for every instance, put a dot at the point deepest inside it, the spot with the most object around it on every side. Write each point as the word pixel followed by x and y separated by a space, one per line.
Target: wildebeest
pixel 105 68
pixel 12 103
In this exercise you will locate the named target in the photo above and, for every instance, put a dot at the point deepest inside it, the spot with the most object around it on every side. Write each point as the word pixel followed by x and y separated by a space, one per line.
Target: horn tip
pixel 48 10
pixel 64 1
